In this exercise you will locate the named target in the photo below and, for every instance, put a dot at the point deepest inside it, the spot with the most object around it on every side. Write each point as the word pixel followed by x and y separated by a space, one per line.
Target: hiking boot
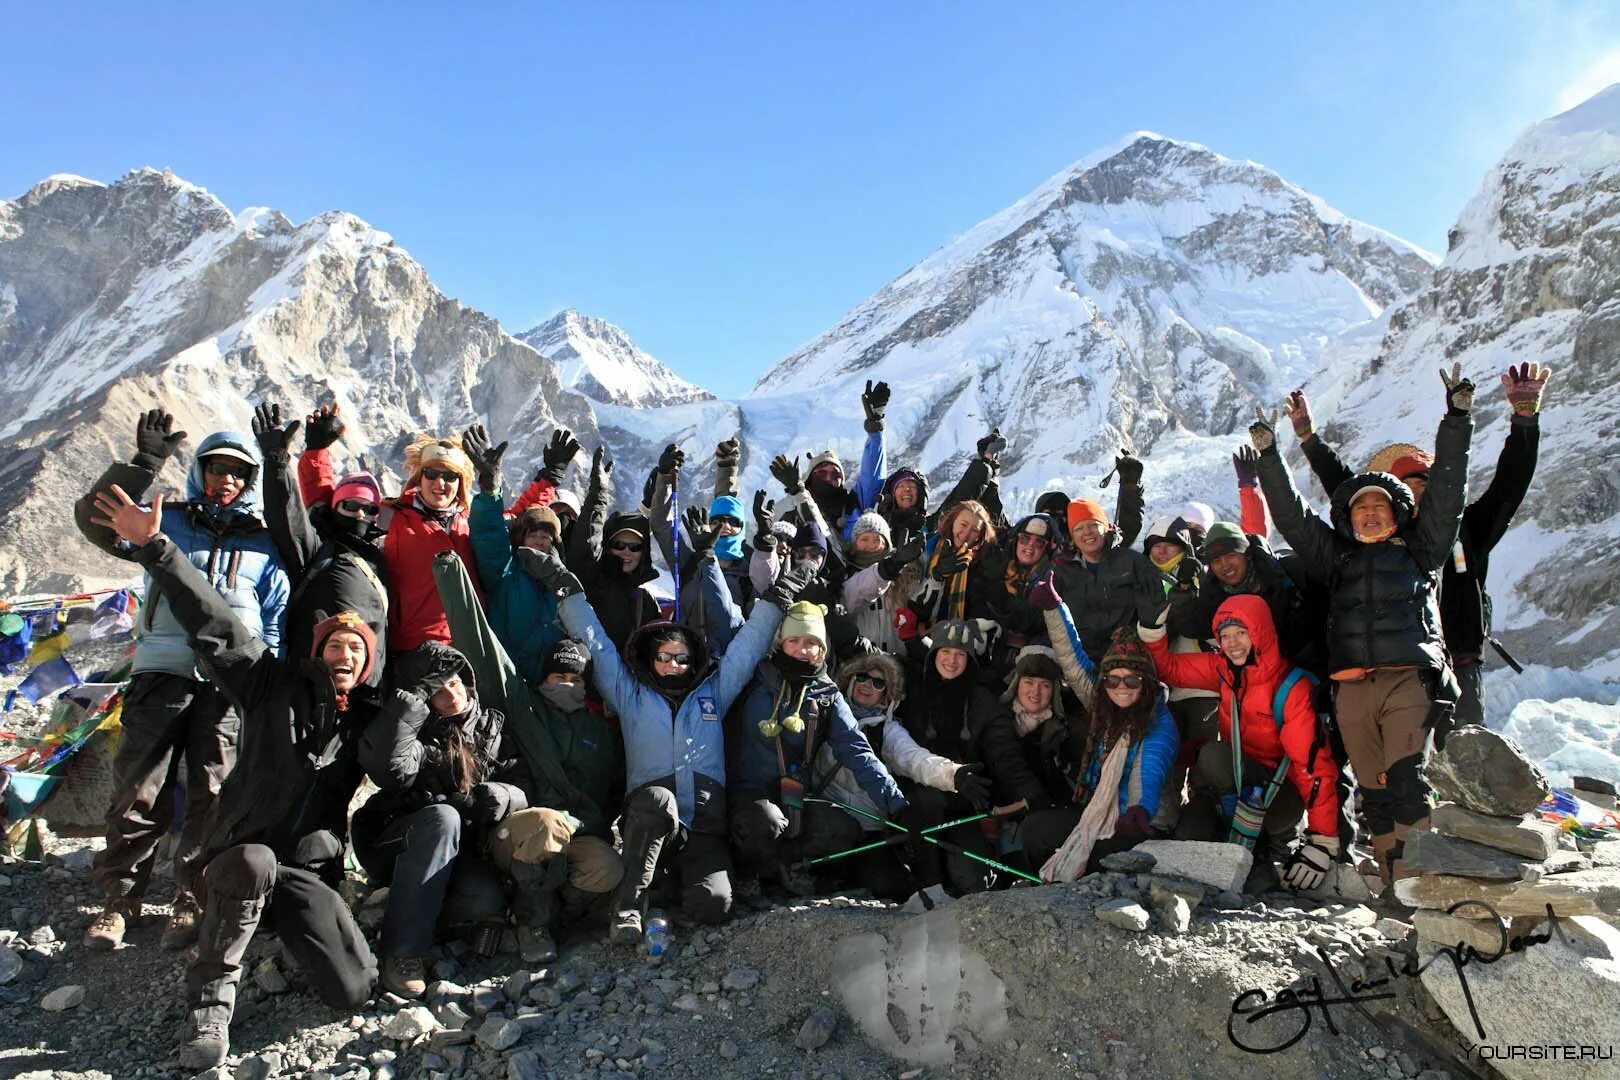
pixel 535 945
pixel 208 1039
pixel 181 930
pixel 625 928
pixel 107 931
pixel 405 975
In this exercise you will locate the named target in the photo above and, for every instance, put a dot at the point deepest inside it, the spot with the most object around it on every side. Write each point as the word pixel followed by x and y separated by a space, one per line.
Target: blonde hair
pixel 449 452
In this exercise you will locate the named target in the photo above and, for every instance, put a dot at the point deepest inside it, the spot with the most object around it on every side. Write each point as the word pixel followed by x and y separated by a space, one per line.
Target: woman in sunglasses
pixel 332 550
pixel 1091 782
pixel 1266 770
pixel 613 559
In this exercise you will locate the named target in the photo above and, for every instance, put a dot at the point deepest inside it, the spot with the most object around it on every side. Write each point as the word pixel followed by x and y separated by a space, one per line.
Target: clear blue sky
pixel 725 181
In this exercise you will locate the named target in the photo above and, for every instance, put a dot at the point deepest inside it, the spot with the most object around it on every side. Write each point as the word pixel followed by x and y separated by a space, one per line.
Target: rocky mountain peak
pixel 599 360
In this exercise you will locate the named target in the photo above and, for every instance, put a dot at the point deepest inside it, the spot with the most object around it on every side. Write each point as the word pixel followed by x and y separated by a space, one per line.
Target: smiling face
pixel 1372 514
pixel 864 693
pixel 439 487
pixel 869 543
pixel 1029 549
pixel 1088 538
pixel 950 663
pixel 224 479
pixel 628 547
pixel 673 657
pixel 451 699
pixel 805 648
pixel 966 530
pixel 344 655
pixel 1230 569
pixel 539 538
pixel 1034 693
pixel 1235 644
pixel 1117 683
pixel 905 494
pixel 1163 551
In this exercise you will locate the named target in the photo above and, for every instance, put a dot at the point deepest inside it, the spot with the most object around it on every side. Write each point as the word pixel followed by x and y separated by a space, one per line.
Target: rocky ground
pixel 1117 975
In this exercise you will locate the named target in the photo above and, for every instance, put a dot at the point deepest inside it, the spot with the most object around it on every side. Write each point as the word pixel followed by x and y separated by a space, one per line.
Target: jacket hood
pixel 638 650
pixel 874 663
pixel 1399 495
pixel 1255 615
pixel 638 524
pixel 728 547
pixel 886 495
pixel 240 445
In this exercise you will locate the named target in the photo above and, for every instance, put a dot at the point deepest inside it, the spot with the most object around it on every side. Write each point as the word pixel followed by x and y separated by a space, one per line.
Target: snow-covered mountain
pixel 1144 297
pixel 599 360
pixel 113 297
pixel 1532 274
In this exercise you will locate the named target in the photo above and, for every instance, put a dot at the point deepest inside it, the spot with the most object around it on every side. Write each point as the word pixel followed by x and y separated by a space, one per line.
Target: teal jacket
pixel 521 612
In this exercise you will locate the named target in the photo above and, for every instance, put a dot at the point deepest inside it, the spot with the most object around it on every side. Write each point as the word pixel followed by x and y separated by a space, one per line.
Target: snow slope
pixel 597 359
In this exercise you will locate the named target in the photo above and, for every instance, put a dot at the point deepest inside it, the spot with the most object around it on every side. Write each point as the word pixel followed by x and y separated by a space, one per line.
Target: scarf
pixel 569 697
pixel 954 603
pixel 444 517
pixel 860 560
pixel 1096 821
pixel 1029 721
pixel 1169 565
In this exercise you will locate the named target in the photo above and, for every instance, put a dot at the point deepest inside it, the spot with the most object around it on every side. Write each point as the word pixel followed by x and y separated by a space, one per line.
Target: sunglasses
pixel 1127 682
pixel 679 659
pixel 358 508
pixel 446 475
pixel 218 467
pixel 878 682
pixel 624 545
pixel 1031 538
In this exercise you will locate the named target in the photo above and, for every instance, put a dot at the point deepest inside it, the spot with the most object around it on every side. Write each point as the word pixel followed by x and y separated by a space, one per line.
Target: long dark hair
pixel 1109 721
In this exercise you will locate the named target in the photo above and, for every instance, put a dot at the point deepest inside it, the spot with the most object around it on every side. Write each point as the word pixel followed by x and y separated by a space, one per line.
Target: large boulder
pixel 1584 892
pixel 1562 995
pixel 1224 867
pixel 1487 773
pixel 1431 853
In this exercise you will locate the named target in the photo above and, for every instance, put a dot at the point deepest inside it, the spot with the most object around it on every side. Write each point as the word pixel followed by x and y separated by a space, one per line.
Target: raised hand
pixel 787 587
pixel 1043 593
pixel 548 569
pixel 601 468
pixel 892 565
pixel 124 516
pixel 486 460
pixel 323 427
pixel 556 456
pixel 1459 390
pixel 1298 410
pixel 697 529
pixel 991 446
pixel 875 400
pixel 787 473
pixel 273 438
pixel 671 459
pixel 1263 432
pixel 1129 467
pixel 155 439
pixel 764 536
pixel 728 454
pixel 947 563
pixel 1246 463
pixel 1524 385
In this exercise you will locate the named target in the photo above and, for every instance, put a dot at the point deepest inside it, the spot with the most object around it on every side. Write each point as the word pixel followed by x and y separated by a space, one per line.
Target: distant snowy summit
pixel 599 360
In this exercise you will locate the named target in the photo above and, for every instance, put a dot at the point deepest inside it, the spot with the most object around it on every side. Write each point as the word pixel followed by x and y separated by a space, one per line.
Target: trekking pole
pixel 892 840
pixel 675 521
pixel 954 848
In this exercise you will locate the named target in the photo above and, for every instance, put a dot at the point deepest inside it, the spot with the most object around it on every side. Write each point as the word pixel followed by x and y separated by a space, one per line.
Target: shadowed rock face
pixel 149 290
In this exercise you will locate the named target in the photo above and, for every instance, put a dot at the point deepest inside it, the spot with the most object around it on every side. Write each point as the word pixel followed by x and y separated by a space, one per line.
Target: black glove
pixel 322 428
pixel 764 536
pixel 486 460
pixel 671 459
pixel 728 454
pixel 991 446
pixel 1129 467
pixel 787 587
pixel 155 439
pixel 1442 718
pixel 695 527
pixel 601 469
pixel 556 456
pixel 786 471
pixel 875 401
pixel 892 565
pixel 490 803
pixel 948 563
pixel 1459 391
pixel 273 438
pixel 546 568
pixel 1263 432
pixel 972 785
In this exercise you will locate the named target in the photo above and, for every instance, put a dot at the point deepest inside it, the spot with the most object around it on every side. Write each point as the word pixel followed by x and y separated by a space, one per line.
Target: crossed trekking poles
pixel 902 833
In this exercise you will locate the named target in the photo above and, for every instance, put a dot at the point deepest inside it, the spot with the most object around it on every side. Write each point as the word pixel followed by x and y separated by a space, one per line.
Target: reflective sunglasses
pixel 1128 682
pixel 227 467
pixel 878 682
pixel 358 508
pixel 679 659
pixel 446 475
pixel 624 545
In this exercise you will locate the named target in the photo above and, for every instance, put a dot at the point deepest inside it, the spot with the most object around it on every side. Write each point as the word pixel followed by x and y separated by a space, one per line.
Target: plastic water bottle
pixel 656 935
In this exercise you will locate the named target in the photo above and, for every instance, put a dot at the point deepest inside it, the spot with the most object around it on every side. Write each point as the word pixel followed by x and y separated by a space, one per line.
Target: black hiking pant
pixel 165 717
pixel 434 880
pixel 655 843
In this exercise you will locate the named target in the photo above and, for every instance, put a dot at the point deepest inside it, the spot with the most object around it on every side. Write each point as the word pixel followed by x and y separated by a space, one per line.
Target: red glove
pixel 1133 824
pixel 905 624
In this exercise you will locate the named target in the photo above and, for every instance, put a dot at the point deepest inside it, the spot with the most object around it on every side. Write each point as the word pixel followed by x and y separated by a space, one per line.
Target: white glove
pixel 1307 867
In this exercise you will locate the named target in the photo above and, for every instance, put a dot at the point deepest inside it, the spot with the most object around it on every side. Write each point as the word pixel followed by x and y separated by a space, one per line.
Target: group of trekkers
pixel 858 686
